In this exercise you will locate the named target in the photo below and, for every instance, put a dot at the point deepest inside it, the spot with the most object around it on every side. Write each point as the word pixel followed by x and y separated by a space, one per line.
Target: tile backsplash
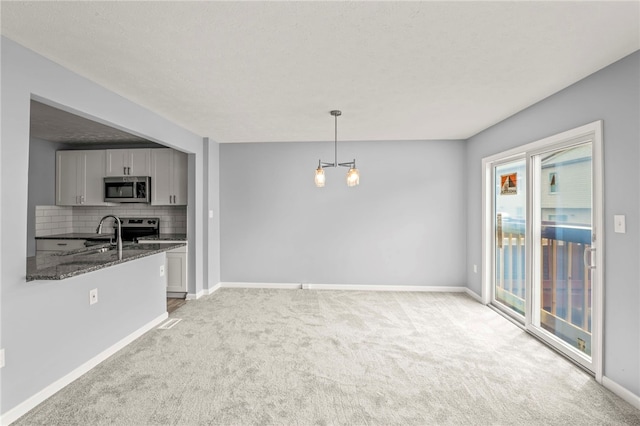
pixel 51 220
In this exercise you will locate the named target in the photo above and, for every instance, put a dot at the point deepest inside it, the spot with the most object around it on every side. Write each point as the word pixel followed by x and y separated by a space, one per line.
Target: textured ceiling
pixel 272 71
pixel 55 125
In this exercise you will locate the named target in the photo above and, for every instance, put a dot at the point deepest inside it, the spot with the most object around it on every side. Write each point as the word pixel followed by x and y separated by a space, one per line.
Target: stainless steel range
pixel 136 227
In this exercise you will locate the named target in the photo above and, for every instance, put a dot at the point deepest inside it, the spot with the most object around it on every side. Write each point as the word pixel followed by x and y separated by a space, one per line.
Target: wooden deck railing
pixel 566 281
pixel 510 265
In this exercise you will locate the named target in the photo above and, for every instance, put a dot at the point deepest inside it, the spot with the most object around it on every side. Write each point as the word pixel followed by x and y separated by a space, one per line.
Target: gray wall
pixel 613 95
pixel 42 183
pixel 63 331
pixel 403 225
pixel 36 313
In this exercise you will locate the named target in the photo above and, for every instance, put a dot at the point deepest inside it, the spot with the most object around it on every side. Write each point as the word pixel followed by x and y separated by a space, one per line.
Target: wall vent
pixel 169 324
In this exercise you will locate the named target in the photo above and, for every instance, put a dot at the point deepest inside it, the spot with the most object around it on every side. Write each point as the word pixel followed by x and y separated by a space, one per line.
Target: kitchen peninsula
pixel 61 265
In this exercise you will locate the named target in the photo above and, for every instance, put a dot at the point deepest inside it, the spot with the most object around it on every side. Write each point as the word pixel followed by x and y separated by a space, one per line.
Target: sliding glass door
pixel 562 232
pixel 543 207
pixel 510 207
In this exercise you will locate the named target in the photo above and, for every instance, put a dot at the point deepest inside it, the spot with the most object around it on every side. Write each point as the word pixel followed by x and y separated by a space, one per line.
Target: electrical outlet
pixel 162 270
pixel 1 358
pixel 93 296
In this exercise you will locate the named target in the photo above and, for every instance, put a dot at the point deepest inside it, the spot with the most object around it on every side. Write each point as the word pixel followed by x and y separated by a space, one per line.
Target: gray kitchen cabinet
pixel 128 162
pixel 168 177
pixel 79 178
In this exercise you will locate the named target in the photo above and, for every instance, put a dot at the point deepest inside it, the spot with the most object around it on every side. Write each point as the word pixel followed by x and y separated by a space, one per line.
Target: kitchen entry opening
pixel 542 244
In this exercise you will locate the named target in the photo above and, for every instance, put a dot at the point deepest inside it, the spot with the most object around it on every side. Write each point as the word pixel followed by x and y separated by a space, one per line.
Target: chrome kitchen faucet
pixel 99 231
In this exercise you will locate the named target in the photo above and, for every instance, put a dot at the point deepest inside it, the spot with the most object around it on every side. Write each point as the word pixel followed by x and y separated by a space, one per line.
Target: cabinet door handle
pixel 124 170
pixel 62 244
pixel 128 170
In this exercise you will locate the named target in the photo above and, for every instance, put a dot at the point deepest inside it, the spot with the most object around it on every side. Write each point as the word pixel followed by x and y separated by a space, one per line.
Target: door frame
pixel 595 129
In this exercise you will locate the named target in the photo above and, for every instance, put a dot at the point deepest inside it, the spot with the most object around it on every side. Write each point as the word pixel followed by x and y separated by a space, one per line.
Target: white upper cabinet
pixel 179 184
pixel 94 178
pixel 79 178
pixel 128 162
pixel 168 177
pixel 80 174
pixel 68 170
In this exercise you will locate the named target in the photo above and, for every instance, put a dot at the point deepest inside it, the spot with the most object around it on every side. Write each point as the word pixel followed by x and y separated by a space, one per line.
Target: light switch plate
pixel 1 358
pixel 619 224
pixel 210 214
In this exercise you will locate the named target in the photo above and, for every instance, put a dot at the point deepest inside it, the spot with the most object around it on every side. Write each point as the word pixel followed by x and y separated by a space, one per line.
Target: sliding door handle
pixel 587 257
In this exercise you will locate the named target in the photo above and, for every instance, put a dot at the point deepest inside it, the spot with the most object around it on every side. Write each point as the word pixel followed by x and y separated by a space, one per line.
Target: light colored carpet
pixel 301 357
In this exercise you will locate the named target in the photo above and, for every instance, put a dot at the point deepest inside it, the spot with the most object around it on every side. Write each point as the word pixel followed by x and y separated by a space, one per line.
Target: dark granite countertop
pixel 106 237
pixel 77 236
pixel 67 264
pixel 164 237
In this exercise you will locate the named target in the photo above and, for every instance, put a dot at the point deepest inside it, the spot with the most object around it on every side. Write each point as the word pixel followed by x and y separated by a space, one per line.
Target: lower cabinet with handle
pixel 47 245
pixel 176 271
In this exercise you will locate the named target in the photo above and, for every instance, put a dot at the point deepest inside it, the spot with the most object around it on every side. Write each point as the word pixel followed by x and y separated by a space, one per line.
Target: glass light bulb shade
pixel 319 177
pixel 353 177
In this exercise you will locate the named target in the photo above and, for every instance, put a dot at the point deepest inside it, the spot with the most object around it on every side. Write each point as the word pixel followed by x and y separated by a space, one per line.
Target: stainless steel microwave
pixel 127 189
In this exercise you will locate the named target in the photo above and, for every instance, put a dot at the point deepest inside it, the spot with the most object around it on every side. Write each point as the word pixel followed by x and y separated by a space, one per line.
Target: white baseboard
pixel 208 291
pixel 286 286
pixel 473 295
pixel 367 287
pixel 360 287
pixel 621 391
pixel 194 296
pixel 23 408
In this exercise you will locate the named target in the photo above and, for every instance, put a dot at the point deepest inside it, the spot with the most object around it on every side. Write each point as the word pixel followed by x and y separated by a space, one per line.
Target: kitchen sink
pixel 79 262
pixel 97 250
pixel 85 251
pixel 101 250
